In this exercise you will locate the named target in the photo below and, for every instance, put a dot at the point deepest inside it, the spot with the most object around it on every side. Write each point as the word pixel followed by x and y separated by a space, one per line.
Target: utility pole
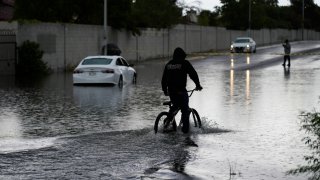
pixel 302 20
pixel 105 33
pixel 249 21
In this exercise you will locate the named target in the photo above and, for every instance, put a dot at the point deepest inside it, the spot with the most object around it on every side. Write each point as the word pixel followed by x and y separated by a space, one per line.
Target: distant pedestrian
pixel 287 50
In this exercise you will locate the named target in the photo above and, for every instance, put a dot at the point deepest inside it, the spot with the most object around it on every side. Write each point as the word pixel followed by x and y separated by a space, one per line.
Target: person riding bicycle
pixel 174 81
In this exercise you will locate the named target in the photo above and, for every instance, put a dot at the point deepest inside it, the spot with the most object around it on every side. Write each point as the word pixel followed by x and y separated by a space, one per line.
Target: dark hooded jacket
pixel 174 77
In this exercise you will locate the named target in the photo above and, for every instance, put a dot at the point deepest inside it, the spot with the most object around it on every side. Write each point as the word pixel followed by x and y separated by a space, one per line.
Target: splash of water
pixel 11 139
pixel 10 145
pixel 209 126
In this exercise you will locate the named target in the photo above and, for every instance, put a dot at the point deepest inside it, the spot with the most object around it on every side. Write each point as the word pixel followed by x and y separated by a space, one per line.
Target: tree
pixel 207 18
pixel 30 60
pixel 311 14
pixel 310 123
pixel 124 14
pixel 121 13
pixel 267 14
pixel 156 13
pixel 234 14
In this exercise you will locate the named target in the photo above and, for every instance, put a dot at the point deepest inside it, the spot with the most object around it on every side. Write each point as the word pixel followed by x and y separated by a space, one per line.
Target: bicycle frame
pixel 174 113
pixel 170 116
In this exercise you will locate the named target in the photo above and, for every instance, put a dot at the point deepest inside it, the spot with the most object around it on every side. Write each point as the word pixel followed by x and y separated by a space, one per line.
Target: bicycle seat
pixel 168 103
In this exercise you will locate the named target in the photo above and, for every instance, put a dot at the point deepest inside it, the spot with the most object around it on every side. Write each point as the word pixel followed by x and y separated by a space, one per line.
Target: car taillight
pixel 107 71
pixel 77 71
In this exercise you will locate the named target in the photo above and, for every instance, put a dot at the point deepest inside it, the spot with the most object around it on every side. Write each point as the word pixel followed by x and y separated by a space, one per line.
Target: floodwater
pixel 250 106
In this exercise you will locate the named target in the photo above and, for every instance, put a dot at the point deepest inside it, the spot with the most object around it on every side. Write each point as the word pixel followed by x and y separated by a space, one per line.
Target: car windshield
pixel 96 61
pixel 242 40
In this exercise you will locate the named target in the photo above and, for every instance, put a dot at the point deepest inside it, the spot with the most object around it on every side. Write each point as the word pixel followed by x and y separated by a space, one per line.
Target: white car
pixel 243 44
pixel 104 70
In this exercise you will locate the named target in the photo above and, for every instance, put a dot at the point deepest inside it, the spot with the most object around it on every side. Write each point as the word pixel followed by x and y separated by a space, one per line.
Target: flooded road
pixel 249 106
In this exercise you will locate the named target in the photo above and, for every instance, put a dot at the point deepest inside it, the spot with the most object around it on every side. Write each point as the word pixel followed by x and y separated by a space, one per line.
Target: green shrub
pixel 311 125
pixel 30 60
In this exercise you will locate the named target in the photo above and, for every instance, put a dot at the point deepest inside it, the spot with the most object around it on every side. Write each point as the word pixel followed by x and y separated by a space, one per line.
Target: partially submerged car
pixel 243 44
pixel 104 70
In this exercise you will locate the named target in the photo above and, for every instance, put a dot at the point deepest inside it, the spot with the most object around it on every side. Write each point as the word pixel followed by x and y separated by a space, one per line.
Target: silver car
pixel 243 44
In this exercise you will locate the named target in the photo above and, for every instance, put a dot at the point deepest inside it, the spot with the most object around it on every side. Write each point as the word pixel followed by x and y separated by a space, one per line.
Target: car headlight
pixel 231 46
pixel 248 46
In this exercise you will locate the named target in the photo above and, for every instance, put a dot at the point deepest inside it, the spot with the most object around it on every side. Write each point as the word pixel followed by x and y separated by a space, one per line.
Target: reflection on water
pixel 231 82
pixel 247 78
pixel 98 96
pixel 10 125
pixel 286 71
pixel 238 58
pixel 248 59
pixel 247 84
pixel 231 62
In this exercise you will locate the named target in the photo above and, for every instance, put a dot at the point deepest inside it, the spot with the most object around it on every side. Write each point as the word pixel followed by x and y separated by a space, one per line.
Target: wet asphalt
pixel 250 105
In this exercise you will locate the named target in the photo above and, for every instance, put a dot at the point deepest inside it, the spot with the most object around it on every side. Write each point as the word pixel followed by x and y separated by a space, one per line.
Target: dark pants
pixel 285 58
pixel 181 100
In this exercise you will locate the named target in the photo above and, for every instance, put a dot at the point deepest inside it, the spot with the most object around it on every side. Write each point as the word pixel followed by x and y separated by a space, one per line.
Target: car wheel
pixel 255 50
pixel 134 78
pixel 120 83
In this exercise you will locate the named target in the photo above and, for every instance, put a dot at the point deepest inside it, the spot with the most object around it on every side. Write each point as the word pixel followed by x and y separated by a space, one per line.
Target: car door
pixel 252 45
pixel 121 68
pixel 126 70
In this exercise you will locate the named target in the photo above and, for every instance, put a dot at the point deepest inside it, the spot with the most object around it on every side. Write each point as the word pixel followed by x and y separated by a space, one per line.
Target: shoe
pixel 189 142
pixel 288 65
pixel 283 65
pixel 185 130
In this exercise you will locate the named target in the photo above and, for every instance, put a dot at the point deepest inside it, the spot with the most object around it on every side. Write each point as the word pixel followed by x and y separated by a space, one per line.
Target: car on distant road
pixel 113 70
pixel 243 44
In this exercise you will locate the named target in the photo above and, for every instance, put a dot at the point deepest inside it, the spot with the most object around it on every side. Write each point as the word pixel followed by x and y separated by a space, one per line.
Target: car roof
pixel 243 38
pixel 103 56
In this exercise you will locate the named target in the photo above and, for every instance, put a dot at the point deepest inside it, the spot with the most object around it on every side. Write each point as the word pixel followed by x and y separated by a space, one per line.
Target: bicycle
pixel 165 119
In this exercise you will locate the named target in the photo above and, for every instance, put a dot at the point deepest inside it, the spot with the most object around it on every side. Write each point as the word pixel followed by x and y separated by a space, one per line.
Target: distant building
pixel 192 17
pixel 6 10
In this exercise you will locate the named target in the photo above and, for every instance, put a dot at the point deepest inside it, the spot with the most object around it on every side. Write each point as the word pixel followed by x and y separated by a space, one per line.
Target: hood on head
pixel 179 54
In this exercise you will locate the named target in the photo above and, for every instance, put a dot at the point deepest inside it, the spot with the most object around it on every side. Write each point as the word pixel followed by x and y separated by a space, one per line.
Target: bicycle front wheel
pixel 196 118
pixel 163 123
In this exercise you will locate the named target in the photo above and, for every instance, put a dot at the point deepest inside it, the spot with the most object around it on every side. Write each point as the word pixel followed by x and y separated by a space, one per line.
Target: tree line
pixel 136 14
pixel 234 14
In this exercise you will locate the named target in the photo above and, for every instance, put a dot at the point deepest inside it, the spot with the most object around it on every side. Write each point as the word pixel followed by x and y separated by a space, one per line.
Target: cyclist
pixel 174 81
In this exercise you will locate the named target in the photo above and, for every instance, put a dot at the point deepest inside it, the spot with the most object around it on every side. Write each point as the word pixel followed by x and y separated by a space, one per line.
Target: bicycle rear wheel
pixel 164 124
pixel 196 118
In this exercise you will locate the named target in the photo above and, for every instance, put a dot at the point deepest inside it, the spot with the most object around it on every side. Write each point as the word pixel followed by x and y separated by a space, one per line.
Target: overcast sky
pixel 210 4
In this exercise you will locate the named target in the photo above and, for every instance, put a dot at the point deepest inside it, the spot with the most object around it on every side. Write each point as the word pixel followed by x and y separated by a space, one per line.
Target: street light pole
pixel 302 19
pixel 249 21
pixel 105 33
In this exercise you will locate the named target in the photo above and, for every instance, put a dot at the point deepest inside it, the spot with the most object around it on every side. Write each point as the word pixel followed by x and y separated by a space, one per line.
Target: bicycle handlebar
pixel 191 90
pixel 195 89
pixel 169 102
